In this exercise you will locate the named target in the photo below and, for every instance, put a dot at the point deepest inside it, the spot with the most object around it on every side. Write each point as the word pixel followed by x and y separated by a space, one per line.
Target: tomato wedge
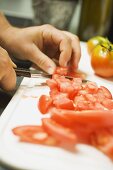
pixel 44 103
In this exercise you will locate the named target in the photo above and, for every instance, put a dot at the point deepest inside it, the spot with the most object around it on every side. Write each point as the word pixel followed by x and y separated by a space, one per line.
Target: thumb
pixel 41 60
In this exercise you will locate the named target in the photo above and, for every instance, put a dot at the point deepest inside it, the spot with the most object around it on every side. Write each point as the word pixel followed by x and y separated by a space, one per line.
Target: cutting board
pixel 23 110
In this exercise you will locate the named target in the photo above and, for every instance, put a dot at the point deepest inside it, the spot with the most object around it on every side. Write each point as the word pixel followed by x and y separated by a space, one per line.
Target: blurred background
pixel 86 18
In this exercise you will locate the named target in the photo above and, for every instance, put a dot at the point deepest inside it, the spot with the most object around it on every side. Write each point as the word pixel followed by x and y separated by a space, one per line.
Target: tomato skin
pixel 93 42
pixel 44 103
pixel 102 61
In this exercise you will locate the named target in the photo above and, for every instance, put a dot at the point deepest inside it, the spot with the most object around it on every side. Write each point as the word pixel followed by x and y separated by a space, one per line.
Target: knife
pixel 37 74
pixel 31 73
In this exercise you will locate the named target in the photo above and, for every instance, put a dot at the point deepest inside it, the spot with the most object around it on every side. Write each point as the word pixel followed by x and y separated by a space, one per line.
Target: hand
pixel 7 73
pixel 43 44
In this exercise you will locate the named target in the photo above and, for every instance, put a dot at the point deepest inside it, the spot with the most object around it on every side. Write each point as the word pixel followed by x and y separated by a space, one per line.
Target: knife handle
pixel 22 72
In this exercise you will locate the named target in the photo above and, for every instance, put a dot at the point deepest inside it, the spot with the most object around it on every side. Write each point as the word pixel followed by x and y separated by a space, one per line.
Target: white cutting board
pixel 22 110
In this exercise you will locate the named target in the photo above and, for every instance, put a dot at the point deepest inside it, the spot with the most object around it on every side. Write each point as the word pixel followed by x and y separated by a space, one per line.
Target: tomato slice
pixel 21 130
pixel 60 118
pixel 62 134
pixel 97 118
pixel 34 134
pixel 44 103
pixel 103 140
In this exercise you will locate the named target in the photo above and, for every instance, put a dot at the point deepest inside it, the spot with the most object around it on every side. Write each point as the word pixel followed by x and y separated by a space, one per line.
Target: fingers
pixel 76 50
pixel 62 41
pixel 13 64
pixel 68 43
pixel 40 59
pixel 7 73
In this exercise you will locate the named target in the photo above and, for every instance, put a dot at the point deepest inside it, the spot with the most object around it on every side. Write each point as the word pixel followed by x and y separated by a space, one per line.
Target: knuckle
pixel 76 37
pixel 5 62
pixel 48 26
pixel 3 51
pixel 41 62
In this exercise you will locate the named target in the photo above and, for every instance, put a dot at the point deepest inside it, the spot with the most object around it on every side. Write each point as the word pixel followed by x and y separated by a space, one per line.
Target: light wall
pixel 17 8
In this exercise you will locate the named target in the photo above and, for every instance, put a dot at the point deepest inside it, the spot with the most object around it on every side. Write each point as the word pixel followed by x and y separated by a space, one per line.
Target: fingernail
pixel 65 64
pixel 13 64
pixel 51 70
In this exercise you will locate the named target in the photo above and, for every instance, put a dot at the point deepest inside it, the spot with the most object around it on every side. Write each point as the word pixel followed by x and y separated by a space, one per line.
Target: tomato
pixel 44 103
pixel 93 42
pixel 60 118
pixel 103 140
pixel 34 134
pixel 62 134
pixel 102 60
pixel 76 74
pixel 52 83
pixel 61 71
pixel 96 118
pixel 108 104
pixel 64 103
pixel 106 92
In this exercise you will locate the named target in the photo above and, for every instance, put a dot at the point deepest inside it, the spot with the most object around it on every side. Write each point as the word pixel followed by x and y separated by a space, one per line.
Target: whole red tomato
pixel 102 59
pixel 93 42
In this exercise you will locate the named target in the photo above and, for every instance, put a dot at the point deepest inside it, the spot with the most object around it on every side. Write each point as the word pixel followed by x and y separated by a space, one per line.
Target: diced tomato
pixel 52 84
pixel 64 103
pixel 91 87
pixel 59 96
pixel 44 103
pixel 61 71
pixel 34 134
pixel 77 74
pixel 108 103
pixel 90 97
pixel 54 92
pixel 106 92
pixel 66 87
pixel 77 82
pixel 99 106
pixel 62 134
